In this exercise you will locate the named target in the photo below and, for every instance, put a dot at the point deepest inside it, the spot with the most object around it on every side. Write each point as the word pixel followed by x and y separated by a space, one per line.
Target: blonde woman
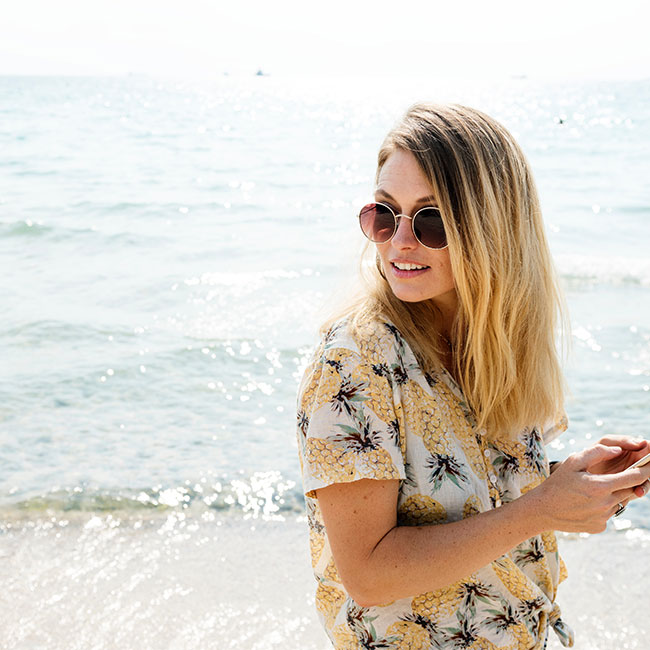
pixel 424 414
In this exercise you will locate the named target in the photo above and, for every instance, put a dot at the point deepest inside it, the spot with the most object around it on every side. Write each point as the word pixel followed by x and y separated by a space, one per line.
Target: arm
pixel 379 561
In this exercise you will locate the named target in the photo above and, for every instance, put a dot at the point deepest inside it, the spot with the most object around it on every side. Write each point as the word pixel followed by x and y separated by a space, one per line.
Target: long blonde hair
pixel 509 303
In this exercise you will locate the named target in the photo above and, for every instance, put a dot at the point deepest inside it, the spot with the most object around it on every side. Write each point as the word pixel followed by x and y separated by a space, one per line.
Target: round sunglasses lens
pixel 377 222
pixel 429 229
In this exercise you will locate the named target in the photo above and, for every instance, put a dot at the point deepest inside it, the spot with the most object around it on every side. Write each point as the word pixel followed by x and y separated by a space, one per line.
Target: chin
pixel 413 294
pixel 408 296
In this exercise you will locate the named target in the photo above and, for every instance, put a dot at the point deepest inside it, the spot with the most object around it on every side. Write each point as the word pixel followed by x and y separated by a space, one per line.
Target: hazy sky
pixel 201 37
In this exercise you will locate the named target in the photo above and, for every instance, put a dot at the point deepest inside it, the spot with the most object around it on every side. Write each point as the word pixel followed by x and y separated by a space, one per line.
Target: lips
pixel 404 269
pixel 408 266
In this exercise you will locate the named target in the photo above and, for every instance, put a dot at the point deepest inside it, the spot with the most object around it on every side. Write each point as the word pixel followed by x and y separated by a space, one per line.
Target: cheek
pixel 442 266
pixel 382 252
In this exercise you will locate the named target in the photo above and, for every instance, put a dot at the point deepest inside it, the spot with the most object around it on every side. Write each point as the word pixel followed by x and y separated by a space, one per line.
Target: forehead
pixel 401 175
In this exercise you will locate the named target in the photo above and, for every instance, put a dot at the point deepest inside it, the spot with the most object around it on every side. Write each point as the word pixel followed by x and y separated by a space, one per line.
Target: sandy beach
pixel 177 583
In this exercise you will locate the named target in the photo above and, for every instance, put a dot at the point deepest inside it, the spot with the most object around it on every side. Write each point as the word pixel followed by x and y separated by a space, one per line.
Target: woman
pixel 423 416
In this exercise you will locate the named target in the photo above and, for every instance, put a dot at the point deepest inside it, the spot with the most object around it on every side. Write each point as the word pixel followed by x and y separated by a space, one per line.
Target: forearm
pixel 379 561
pixel 410 560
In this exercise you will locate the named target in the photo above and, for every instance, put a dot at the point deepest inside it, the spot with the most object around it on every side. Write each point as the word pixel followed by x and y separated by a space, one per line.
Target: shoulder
pixel 348 426
pixel 371 341
pixel 351 358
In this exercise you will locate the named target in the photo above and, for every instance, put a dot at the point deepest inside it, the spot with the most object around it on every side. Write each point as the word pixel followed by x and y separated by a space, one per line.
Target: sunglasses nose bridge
pixel 398 220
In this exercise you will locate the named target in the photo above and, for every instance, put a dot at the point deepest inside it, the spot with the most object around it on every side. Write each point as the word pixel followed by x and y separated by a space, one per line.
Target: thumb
pixel 597 454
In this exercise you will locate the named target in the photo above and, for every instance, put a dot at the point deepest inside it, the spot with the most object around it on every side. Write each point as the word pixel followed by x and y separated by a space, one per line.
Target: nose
pixel 404 237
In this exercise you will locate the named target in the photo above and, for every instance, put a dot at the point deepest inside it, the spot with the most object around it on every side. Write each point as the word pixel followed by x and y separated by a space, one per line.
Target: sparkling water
pixel 167 251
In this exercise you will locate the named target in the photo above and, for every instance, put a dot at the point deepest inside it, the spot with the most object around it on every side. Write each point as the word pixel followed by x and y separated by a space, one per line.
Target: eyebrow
pixel 425 199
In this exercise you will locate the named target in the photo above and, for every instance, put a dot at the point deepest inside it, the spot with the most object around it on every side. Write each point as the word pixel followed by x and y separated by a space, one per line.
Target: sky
pixel 462 38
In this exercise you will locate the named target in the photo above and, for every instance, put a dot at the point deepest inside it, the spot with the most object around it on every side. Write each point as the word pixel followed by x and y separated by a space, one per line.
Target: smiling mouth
pixel 400 266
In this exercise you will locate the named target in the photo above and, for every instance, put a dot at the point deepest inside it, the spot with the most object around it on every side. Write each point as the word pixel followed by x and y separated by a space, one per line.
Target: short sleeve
pixel 555 427
pixel 348 428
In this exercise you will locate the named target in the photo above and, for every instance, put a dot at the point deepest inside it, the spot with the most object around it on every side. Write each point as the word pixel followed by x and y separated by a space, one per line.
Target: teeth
pixel 407 267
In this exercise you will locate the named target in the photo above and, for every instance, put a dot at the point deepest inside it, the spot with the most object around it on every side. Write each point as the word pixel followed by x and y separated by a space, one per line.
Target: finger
pixel 623 496
pixel 630 478
pixel 641 490
pixel 625 442
pixel 617 510
pixel 596 454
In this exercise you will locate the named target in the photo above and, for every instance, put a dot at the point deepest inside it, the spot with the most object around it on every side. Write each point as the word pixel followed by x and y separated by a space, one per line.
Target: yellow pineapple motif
pixel 316 545
pixel 344 638
pixel 328 461
pixel 472 452
pixel 523 637
pixel 331 572
pixel 564 574
pixel 516 582
pixel 375 389
pixel 462 429
pixel 543 579
pixel 420 509
pixel 472 506
pixel 481 643
pixel 514 448
pixel 425 604
pixel 378 464
pixel 426 423
pixel 550 541
pixel 441 602
pixel 410 636
pixel 329 601
pixel 376 341
pixel 322 385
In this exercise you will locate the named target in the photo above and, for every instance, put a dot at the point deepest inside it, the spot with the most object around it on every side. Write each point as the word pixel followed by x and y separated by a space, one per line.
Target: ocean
pixel 167 250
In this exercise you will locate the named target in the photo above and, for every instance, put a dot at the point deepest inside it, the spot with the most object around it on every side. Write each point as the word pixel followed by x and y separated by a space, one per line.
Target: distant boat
pixel 261 73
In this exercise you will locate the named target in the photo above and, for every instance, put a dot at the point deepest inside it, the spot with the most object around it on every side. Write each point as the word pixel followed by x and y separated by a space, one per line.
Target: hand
pixel 577 499
pixel 631 450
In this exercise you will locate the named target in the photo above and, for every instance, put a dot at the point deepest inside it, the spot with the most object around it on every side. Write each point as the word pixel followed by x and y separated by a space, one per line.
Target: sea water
pixel 167 250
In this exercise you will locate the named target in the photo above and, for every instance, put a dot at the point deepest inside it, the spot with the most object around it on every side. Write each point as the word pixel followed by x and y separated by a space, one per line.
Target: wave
pixel 107 240
pixel 35 332
pixel 604 270
pixel 264 495
pixel 26 228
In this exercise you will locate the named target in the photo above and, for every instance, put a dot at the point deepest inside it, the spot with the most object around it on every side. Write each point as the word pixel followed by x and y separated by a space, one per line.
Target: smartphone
pixel 641 462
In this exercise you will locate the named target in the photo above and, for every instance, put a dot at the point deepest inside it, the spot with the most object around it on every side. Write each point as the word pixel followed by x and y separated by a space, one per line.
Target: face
pixel 403 186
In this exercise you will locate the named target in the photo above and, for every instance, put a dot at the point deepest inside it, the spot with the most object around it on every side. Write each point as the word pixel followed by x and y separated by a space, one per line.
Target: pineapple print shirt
pixel 367 410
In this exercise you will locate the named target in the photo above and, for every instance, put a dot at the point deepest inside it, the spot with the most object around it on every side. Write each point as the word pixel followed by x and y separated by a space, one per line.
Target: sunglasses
pixel 379 223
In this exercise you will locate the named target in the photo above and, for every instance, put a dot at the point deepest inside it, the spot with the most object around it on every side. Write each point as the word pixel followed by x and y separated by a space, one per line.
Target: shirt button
pixel 498 502
pixel 493 478
pixel 486 453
